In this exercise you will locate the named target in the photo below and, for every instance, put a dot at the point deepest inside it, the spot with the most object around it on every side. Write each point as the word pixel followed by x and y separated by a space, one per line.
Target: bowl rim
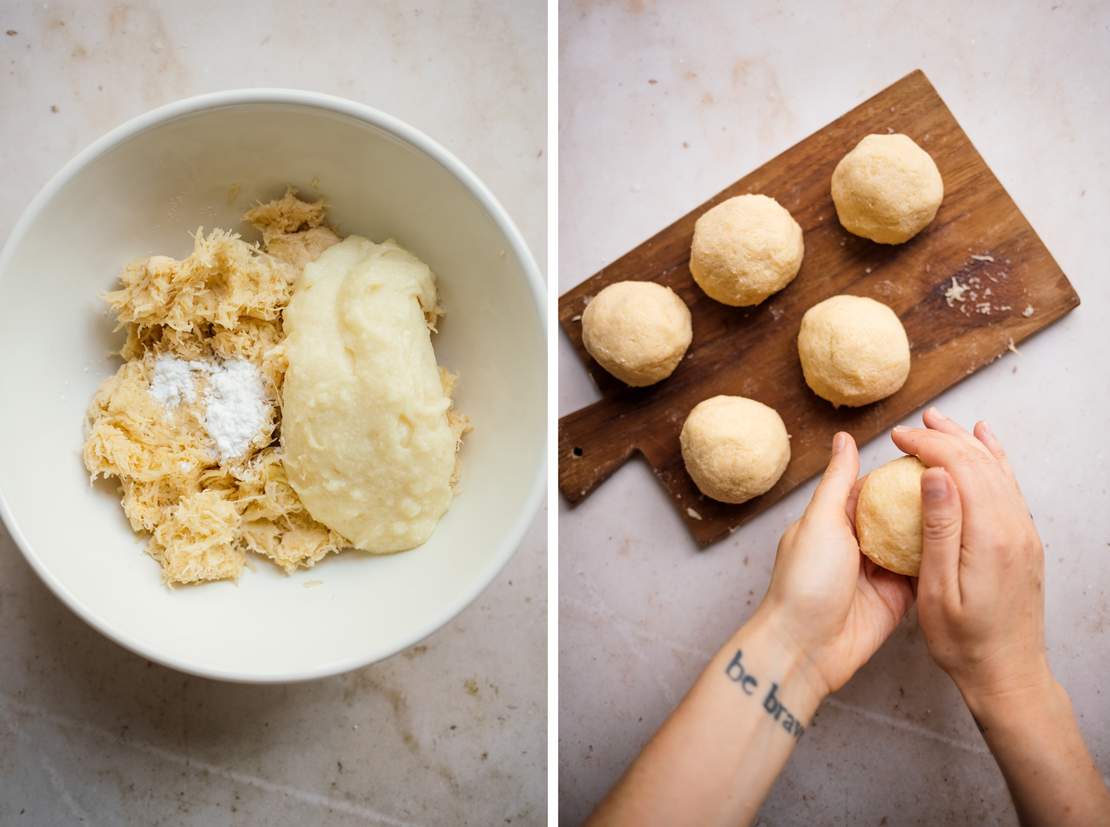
pixel 512 539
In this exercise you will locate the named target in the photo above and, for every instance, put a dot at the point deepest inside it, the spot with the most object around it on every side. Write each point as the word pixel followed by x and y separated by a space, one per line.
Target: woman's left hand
pixel 826 599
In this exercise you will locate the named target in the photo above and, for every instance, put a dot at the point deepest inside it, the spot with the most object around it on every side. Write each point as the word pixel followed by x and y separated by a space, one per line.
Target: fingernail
pixel 935 412
pixel 898 429
pixel 839 441
pixel 987 429
pixel 934 486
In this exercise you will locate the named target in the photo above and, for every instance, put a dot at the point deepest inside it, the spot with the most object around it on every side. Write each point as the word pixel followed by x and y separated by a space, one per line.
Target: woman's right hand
pixel 980 594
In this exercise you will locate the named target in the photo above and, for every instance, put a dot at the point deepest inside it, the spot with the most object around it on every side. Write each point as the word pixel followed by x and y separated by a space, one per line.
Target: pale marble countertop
pixel 450 732
pixel 659 111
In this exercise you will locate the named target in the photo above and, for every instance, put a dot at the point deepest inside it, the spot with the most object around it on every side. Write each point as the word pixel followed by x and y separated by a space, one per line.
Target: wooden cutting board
pixel 979 240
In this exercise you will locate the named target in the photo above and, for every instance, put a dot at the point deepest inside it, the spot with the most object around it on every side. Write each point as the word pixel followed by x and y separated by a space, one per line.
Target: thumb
pixel 941 531
pixel 831 496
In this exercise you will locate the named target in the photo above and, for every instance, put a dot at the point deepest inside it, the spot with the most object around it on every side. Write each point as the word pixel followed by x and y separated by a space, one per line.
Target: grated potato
pixel 224 301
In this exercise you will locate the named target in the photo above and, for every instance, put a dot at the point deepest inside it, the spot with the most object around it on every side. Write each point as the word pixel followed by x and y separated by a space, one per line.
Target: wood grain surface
pixel 979 240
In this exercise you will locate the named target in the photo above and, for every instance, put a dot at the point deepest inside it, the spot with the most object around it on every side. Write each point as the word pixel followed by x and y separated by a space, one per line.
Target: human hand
pixel 826 599
pixel 981 588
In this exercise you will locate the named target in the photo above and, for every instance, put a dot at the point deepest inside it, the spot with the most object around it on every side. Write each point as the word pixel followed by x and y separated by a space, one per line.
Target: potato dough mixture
pixel 190 424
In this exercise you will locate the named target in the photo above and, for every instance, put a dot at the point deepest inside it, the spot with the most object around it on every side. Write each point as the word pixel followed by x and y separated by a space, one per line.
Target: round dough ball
pixel 888 515
pixel 854 350
pixel 887 189
pixel 745 249
pixel 734 448
pixel 637 330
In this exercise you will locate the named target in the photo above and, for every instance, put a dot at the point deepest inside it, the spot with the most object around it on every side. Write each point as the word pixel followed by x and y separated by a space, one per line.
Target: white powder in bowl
pixel 235 407
pixel 172 382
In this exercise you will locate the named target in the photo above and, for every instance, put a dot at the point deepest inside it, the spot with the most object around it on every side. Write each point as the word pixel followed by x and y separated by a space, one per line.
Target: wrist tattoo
pixel 737 673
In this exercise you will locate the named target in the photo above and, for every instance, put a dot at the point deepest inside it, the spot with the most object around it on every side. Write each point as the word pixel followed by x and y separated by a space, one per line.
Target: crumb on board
pixel 983 257
pixel 312 584
pixel 577 318
pixel 1028 311
pixel 1010 346
pixel 693 514
pixel 972 295
pixel 955 293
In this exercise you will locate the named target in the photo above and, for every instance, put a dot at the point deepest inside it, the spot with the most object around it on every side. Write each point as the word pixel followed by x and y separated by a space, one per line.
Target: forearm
pixel 1034 737
pixel 717 756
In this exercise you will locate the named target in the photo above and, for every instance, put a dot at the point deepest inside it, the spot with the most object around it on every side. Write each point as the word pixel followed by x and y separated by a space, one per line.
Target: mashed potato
pixel 369 437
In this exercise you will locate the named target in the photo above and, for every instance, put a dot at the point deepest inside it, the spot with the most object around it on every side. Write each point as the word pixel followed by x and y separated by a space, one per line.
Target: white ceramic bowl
pixel 139 191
